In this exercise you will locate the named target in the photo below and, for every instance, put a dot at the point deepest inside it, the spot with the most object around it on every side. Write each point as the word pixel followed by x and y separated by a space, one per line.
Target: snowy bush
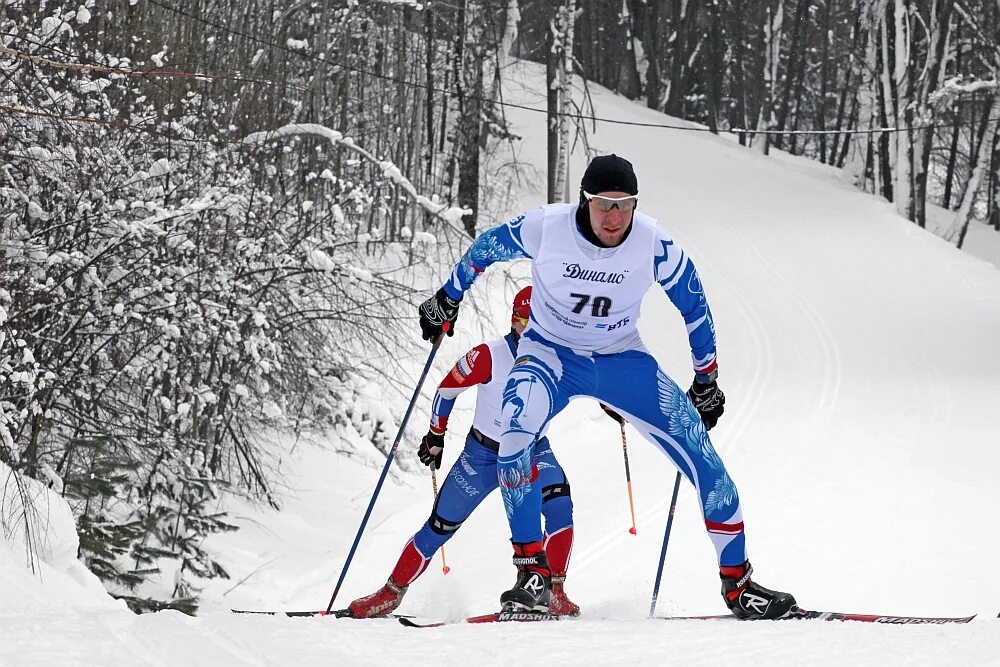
pixel 169 296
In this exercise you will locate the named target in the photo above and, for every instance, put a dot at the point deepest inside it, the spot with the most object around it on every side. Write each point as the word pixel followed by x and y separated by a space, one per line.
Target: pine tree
pixel 96 478
pixel 193 521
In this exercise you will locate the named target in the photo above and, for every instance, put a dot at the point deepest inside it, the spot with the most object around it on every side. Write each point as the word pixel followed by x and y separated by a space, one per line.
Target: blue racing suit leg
pixel 471 478
pixel 634 384
pixel 557 506
pixel 541 383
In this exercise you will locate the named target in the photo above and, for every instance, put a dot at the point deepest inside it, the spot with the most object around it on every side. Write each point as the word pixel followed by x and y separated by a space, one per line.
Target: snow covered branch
pixel 449 214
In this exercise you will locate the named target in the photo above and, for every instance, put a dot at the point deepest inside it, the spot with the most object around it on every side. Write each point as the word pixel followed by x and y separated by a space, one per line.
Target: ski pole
pixel 628 479
pixel 388 462
pixel 666 538
pixel 434 485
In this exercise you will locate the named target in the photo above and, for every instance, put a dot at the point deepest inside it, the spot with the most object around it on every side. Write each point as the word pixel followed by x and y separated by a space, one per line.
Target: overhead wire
pixel 157 72
pixel 385 77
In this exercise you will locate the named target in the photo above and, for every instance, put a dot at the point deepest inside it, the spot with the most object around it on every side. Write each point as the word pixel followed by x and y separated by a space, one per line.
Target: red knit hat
pixel 522 304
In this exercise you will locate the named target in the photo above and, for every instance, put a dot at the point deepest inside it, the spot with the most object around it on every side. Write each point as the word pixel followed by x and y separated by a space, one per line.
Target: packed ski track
pixel 860 360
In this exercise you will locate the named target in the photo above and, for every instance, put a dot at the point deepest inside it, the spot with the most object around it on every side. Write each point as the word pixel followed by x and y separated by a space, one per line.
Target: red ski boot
pixel 381 602
pixel 558 547
pixel 411 564
pixel 559 603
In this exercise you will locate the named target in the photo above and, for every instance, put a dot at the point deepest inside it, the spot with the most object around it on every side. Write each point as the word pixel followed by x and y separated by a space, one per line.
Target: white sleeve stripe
pixel 517 240
pixel 697 323
pixel 704 361
pixel 675 277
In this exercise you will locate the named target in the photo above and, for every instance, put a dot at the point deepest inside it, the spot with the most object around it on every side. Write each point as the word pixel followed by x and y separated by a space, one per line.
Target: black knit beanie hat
pixel 609 173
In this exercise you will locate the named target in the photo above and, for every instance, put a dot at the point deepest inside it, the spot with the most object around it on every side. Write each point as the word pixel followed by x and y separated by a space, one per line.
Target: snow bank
pixel 38 565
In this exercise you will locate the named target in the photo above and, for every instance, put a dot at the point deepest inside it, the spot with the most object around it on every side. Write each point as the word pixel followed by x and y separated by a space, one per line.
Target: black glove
pixel 434 312
pixel 611 413
pixel 708 400
pixel 431 448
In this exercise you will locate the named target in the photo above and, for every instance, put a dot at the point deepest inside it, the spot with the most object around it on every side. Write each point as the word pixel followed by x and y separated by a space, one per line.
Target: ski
pixel 495 617
pixel 837 616
pixel 336 613
pixel 297 614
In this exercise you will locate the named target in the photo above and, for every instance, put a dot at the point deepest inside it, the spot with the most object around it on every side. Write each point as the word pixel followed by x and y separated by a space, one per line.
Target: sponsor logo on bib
pixel 576 272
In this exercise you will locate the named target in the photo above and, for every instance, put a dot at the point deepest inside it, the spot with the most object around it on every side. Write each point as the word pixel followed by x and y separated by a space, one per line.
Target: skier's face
pixel 518 324
pixel 610 215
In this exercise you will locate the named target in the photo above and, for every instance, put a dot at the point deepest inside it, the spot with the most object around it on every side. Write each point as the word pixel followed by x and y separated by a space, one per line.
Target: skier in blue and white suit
pixel 592 263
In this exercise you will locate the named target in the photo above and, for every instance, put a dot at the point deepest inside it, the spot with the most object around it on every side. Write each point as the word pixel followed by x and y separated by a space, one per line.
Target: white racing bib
pixel 588 298
pixel 489 395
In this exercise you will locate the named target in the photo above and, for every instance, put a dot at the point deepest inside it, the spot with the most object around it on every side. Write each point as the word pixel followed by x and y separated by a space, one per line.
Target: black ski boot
pixel 749 600
pixel 534 580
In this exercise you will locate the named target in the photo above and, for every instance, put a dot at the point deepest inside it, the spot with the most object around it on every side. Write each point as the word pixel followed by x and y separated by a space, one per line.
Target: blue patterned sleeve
pixel 679 279
pixel 515 239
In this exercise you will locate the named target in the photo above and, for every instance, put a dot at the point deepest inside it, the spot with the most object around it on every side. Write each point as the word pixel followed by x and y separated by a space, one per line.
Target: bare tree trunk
pixel 849 79
pixel 649 17
pixel 862 156
pixel 738 110
pixel 902 84
pixel 469 85
pixel 931 81
pixel 559 79
pixel 552 107
pixel 993 212
pixel 852 121
pixel 429 69
pixel 772 44
pixel 949 177
pixel 886 105
pixel 566 74
pixel 713 72
pixel 678 62
pixel 796 56
pixel 983 157
pixel 826 34
pixel 629 81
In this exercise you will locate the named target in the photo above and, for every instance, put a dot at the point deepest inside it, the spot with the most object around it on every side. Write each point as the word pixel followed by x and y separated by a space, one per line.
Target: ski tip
pixel 632 530
pixel 803 614
pixel 409 623
pixel 281 612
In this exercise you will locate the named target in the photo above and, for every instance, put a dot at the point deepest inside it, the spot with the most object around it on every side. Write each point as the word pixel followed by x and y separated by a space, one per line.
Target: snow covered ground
pixel 861 360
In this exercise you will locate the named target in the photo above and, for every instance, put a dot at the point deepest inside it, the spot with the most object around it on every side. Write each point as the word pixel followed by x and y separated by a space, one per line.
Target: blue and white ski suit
pixel 582 340
pixel 474 475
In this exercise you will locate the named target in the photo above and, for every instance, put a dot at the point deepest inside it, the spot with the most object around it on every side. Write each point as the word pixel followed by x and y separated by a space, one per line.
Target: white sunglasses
pixel 624 204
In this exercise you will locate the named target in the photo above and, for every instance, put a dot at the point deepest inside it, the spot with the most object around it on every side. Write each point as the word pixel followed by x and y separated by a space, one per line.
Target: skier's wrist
pixel 706 378
pixel 446 293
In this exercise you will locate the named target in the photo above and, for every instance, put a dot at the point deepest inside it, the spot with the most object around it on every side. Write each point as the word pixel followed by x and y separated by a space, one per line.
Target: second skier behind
pixel 474 474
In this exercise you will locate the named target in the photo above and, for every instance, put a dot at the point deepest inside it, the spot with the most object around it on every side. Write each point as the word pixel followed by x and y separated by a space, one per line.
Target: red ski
pixel 838 616
pixel 496 617
pixel 336 613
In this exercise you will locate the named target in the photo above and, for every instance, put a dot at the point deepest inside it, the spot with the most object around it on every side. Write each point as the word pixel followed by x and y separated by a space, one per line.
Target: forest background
pixel 216 218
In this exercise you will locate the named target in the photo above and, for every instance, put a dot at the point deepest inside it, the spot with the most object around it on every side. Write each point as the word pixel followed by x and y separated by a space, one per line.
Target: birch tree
pixel 772 42
pixel 965 210
pixel 559 84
